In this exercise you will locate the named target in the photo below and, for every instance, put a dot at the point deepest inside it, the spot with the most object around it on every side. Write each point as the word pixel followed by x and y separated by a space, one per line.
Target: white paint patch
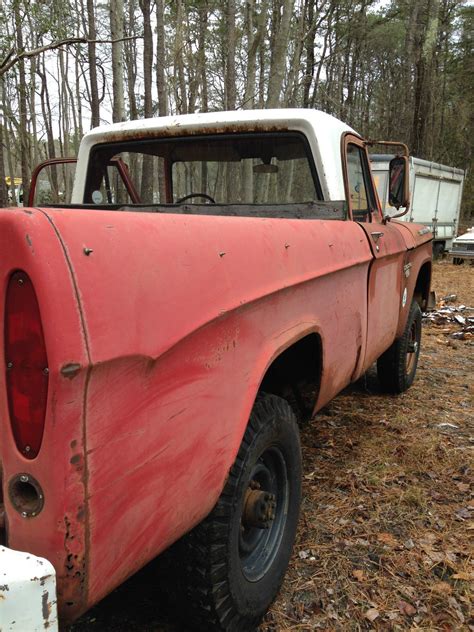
pixel 404 297
pixel 27 593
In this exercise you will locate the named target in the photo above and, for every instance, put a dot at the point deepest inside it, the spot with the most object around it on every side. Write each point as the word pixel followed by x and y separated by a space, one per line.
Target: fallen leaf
pixel 388 539
pixel 463 487
pixel 359 575
pixel 406 608
pixel 442 588
pixel 372 614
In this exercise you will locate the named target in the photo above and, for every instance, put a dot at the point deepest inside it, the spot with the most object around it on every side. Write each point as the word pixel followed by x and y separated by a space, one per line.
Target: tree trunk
pixel 280 32
pixel 253 44
pixel 116 32
pixel 131 63
pixel 229 35
pixel 423 85
pixel 22 90
pixel 91 48
pixel 161 59
pixel 182 99
pixel 3 184
pixel 147 167
pixel 161 86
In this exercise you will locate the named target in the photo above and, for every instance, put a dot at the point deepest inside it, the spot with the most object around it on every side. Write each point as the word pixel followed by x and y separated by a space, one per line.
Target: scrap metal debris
pixel 458 321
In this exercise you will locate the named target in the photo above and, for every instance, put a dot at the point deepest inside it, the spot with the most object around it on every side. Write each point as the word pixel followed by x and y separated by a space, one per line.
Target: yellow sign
pixel 16 181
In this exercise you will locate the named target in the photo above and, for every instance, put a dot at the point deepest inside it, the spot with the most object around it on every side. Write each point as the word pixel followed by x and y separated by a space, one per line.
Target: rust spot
pixel 75 459
pixel 70 370
pixel 81 514
pixel 27 212
pixel 46 607
pixel 73 443
pixel 67 535
pixel 28 241
pixel 227 127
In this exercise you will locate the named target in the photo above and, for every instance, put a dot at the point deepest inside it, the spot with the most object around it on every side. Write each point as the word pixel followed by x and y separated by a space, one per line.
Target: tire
pixel 229 569
pixel 458 261
pixel 438 249
pixel 396 368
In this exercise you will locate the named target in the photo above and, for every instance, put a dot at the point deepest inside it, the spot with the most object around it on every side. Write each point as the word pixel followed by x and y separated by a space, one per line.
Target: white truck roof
pixel 322 130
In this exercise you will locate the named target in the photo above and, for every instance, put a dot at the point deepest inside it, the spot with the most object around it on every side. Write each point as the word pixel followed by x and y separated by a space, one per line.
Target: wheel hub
pixel 259 507
pixel 413 347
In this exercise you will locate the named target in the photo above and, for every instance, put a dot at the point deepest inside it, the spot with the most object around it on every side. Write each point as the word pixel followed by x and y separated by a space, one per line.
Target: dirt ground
pixel 388 506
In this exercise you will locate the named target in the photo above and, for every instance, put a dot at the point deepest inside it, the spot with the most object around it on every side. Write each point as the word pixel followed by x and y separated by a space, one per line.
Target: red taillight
pixel 26 364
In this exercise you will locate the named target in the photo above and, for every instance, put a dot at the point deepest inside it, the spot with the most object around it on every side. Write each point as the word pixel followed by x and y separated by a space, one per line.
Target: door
pixel 385 282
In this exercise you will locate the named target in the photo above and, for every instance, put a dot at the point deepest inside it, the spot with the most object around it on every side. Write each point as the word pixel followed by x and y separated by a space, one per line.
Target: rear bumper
pixel 27 593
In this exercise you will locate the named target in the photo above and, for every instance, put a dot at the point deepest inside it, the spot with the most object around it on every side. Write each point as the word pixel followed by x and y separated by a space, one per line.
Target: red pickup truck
pixel 214 277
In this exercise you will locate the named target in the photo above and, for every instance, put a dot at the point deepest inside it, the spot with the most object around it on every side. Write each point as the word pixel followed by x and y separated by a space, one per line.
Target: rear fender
pixel 183 324
pixel 28 242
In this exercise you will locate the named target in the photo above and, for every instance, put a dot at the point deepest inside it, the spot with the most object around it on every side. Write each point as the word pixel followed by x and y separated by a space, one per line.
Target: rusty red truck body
pixel 137 337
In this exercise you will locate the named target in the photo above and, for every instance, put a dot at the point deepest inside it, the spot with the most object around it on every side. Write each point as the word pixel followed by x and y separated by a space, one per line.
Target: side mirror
pixel 398 194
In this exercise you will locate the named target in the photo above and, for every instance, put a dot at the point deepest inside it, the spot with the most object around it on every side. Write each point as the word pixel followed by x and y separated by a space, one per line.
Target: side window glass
pixel 358 195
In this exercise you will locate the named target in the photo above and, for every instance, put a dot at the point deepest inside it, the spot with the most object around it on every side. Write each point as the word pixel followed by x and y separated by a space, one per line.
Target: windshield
pixel 256 168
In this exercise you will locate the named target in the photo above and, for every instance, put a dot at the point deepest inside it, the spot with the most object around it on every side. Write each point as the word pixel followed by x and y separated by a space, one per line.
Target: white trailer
pixel 436 192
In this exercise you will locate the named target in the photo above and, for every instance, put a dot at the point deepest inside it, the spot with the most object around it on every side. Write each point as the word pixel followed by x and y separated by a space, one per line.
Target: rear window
pixel 257 168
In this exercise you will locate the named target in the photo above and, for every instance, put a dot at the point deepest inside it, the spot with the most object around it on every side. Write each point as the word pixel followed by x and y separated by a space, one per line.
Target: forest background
pixel 396 69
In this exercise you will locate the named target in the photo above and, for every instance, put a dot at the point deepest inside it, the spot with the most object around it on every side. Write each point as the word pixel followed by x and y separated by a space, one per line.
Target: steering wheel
pixel 191 195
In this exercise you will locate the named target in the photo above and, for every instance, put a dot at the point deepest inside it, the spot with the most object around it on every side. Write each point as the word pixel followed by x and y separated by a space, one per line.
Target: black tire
pixel 457 261
pixel 396 368
pixel 438 249
pixel 228 570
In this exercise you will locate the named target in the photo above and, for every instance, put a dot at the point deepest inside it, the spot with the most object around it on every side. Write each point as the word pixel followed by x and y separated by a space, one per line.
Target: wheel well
pixel 422 287
pixel 296 374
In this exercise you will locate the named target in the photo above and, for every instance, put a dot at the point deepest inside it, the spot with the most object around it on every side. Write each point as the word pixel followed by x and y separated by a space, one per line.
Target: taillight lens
pixel 27 373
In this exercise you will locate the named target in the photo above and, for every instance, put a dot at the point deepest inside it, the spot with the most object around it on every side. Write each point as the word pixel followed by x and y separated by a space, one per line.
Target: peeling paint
pixel 46 606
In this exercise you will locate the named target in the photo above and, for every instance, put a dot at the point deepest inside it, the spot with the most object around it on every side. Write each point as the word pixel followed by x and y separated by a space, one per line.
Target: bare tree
pixel 116 31
pixel 91 48
pixel 282 10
